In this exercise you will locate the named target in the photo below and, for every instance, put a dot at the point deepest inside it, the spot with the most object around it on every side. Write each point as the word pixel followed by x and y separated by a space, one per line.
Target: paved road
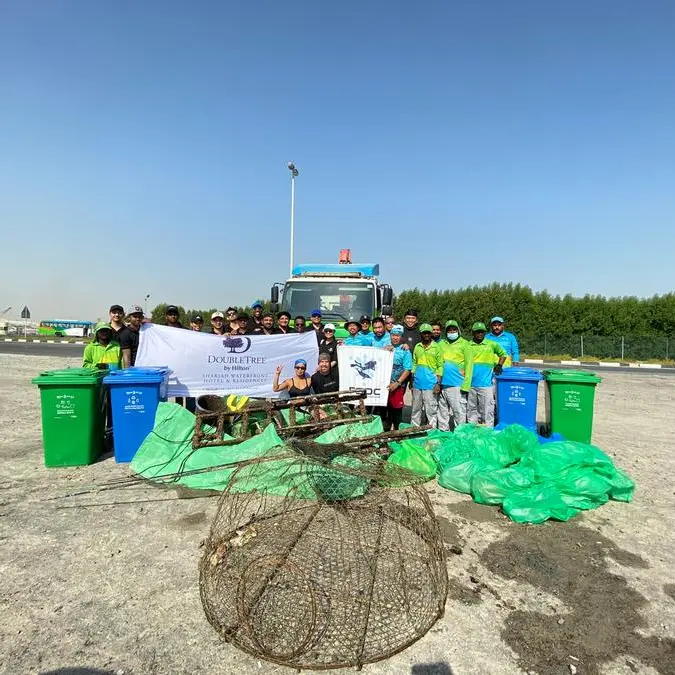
pixel 74 351
pixel 42 349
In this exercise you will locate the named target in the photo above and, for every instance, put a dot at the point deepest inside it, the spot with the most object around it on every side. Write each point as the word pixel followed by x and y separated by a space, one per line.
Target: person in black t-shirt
pixel 129 338
pixel 256 317
pixel 316 324
pixel 328 344
pixel 217 324
pixel 116 321
pixel 266 326
pixel 326 379
pixel 241 323
pixel 411 334
pixel 283 327
pixel 171 317
pixel 232 320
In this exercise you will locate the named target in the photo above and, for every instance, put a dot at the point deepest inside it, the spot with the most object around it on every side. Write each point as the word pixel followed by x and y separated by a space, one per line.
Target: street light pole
pixel 145 308
pixel 294 173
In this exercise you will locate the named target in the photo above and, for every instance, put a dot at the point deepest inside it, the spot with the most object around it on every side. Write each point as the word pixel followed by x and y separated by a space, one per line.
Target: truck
pixel 343 292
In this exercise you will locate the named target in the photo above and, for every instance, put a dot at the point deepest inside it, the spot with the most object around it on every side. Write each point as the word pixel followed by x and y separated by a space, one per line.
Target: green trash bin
pixel 73 415
pixel 570 403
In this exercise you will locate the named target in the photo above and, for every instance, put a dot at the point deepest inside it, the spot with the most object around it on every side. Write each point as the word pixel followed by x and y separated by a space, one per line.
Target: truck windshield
pixel 337 300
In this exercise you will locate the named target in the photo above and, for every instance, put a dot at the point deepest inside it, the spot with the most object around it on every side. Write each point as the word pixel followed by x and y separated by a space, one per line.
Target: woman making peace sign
pixel 298 385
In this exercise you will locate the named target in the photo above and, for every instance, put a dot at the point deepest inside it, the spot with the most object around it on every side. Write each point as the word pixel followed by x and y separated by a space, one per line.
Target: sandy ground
pixel 114 588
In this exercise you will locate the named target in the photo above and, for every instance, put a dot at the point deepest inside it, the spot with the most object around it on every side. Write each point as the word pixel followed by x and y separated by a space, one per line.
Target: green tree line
pixel 526 312
pixel 529 314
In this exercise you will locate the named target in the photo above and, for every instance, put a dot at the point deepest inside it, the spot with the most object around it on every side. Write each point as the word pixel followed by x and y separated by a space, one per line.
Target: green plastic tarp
pixel 168 450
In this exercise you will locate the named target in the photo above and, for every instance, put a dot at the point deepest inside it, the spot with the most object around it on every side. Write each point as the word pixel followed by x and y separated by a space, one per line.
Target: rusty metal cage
pixel 340 564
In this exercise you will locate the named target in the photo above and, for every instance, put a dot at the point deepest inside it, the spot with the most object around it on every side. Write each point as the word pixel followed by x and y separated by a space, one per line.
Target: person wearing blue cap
pixel 317 324
pixel 400 372
pixel 254 322
pixel 298 385
pixel 507 341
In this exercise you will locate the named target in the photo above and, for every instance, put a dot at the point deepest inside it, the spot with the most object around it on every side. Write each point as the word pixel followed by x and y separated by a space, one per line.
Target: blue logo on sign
pixel 365 370
pixel 237 344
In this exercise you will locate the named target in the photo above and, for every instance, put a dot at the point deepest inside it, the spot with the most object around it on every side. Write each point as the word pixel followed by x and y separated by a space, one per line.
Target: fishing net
pixel 345 567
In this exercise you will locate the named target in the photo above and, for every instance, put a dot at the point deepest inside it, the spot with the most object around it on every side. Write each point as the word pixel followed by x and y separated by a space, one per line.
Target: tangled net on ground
pixel 325 560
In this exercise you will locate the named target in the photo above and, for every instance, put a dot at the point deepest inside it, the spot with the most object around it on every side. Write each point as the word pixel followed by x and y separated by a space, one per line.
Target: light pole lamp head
pixel 292 169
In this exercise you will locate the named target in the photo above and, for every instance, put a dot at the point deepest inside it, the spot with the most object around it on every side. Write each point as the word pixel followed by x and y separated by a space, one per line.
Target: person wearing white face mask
pixel 456 380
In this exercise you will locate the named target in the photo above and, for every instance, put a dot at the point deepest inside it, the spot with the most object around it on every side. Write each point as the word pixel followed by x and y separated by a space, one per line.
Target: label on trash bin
pixel 572 399
pixel 65 406
pixel 517 394
pixel 134 401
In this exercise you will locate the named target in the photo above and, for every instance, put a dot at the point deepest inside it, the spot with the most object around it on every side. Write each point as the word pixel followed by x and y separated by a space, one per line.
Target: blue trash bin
pixel 517 396
pixel 135 394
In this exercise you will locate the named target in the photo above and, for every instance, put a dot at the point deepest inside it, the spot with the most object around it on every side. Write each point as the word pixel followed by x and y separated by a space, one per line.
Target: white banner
pixel 202 363
pixel 366 368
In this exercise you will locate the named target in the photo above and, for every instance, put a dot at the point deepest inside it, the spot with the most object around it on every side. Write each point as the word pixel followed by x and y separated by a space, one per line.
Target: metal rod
pixel 292 219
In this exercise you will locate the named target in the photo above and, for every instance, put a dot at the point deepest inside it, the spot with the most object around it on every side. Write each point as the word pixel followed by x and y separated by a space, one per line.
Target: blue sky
pixel 143 146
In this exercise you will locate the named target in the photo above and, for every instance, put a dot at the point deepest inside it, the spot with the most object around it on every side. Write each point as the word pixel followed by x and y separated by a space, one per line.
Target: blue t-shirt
pixel 402 361
pixel 383 341
pixel 359 340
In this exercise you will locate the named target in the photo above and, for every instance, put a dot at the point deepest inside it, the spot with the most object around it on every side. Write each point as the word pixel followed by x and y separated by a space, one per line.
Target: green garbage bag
pixel 458 476
pixel 492 487
pixel 622 486
pixel 348 432
pixel 537 504
pixel 582 488
pixel 415 458
pixel 549 459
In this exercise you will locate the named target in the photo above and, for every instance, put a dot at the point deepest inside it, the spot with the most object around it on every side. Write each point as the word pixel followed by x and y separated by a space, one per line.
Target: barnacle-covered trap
pixel 343 567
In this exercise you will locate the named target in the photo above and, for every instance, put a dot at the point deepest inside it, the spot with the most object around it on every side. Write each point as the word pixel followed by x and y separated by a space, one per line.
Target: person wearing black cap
pixel 365 332
pixel 171 317
pixel 241 324
pixel 266 326
pixel 283 327
pixel 196 323
pixel 355 337
pixel 116 321
pixel 317 324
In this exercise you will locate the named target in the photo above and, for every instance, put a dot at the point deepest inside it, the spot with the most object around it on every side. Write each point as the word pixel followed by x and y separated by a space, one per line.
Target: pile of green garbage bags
pixel 530 480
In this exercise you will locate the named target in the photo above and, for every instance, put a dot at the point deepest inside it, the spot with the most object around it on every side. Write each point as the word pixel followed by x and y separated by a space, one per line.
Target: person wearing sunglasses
pixel 328 344
pixel 298 385
pixel 232 320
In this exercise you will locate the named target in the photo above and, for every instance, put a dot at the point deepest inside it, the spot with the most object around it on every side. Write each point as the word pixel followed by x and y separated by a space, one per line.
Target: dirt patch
pixel 569 561
pixel 669 590
pixel 475 512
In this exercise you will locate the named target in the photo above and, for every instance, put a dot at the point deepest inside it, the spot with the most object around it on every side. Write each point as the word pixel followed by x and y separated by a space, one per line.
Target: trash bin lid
pixel 521 373
pixel 580 376
pixel 69 376
pixel 140 375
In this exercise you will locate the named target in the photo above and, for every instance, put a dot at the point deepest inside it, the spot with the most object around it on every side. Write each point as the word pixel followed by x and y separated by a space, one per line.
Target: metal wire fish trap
pixel 339 562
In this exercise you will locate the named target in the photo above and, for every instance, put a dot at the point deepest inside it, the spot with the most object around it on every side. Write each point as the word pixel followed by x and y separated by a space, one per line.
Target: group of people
pixel 451 377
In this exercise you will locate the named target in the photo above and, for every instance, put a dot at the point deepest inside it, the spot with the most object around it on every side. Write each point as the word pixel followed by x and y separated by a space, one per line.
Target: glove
pixel 498 369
